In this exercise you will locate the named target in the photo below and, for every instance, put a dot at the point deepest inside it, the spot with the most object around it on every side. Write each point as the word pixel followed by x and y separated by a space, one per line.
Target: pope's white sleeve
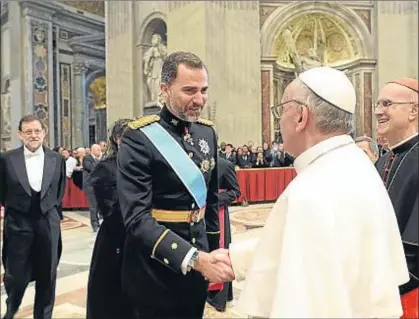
pixel 241 256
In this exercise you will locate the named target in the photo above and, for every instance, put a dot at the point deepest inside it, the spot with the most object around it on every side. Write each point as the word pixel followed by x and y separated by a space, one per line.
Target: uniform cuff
pixel 170 250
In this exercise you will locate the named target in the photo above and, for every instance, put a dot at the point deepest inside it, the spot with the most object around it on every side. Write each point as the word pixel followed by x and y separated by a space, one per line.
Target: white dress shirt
pixel 70 164
pixel 34 162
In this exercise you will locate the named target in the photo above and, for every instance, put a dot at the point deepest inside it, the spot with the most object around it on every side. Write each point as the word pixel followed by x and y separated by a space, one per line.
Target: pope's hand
pixel 216 266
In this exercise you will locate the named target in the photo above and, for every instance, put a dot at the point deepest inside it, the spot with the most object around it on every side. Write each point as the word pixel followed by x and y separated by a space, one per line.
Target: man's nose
pixel 378 111
pixel 199 98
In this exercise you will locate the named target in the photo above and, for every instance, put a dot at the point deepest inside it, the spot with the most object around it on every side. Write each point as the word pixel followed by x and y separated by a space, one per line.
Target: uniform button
pixel 190 154
pixel 191 224
pixel 166 261
pixel 193 240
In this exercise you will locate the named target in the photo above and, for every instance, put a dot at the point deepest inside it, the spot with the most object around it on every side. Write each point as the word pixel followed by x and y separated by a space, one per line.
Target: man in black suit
pixel 89 163
pixel 229 192
pixel 32 184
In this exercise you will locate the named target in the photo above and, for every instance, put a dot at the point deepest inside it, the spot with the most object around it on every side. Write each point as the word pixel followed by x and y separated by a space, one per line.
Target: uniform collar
pixel 172 120
pixel 37 153
pixel 405 144
pixel 320 149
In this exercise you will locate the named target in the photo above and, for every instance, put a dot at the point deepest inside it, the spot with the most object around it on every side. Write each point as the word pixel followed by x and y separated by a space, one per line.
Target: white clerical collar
pixel 402 142
pixel 310 155
pixel 37 153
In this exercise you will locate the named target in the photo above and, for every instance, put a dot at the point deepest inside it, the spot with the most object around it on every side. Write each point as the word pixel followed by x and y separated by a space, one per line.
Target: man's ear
pixel 413 114
pixel 302 118
pixel 164 88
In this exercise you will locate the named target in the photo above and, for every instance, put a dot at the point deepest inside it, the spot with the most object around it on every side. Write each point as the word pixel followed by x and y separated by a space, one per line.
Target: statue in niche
pixel 153 62
pixel 313 58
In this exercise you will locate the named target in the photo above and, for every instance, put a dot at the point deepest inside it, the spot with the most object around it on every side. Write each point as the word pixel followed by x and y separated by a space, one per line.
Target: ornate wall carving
pixel 365 15
pixel 402 7
pixel 65 96
pixel 264 13
pixel 321 36
pixel 95 7
pixel 40 51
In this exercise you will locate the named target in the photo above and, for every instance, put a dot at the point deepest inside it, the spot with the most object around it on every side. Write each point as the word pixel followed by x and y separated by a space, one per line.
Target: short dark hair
pixel 30 118
pixel 172 62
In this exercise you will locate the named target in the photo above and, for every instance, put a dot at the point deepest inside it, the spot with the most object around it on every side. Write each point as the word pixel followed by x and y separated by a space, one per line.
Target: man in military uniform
pixel 167 187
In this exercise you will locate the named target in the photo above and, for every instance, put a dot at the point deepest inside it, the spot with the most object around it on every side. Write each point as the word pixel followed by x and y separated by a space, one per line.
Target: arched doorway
pixel 151 50
pixel 320 34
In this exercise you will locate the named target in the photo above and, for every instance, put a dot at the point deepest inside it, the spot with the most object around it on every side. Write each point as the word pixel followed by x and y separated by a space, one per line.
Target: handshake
pixel 215 266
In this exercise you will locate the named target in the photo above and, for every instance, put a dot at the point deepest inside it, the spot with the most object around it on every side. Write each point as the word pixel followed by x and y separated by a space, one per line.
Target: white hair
pixel 328 118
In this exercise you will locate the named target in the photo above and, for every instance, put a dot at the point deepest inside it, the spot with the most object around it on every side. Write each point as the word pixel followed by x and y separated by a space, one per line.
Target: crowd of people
pixel 340 242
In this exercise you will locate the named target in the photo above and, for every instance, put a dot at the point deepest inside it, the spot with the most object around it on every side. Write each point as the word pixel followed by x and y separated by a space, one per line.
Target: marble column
pixel 368 117
pixel 226 37
pixel 78 113
pixel 266 106
pixel 120 61
pixel 16 68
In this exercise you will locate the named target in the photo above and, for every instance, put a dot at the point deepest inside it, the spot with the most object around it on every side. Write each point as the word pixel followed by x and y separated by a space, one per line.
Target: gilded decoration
pixel 98 89
pixel 95 7
pixel 65 81
pixel 40 69
pixel 315 39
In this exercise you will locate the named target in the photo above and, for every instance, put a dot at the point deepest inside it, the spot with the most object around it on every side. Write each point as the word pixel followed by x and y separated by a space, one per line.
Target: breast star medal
pixel 204 147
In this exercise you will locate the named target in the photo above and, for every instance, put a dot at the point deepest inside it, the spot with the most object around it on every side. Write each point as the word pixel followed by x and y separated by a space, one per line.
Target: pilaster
pixel 79 110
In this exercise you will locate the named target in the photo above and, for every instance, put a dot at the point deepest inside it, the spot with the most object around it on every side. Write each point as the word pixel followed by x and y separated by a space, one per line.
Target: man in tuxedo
pixel 89 163
pixel 32 184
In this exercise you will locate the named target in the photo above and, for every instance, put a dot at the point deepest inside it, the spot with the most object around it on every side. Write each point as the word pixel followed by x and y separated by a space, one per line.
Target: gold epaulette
pixel 143 121
pixel 205 122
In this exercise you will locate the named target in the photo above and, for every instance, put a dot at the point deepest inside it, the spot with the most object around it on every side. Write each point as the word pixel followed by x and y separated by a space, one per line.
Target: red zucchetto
pixel 410 83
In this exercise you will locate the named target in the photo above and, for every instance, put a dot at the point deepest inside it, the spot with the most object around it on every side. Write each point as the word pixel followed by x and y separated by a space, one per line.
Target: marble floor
pixel 78 241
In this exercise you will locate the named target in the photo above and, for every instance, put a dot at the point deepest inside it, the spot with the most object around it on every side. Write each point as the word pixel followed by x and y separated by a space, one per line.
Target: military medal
pixel 212 163
pixel 188 137
pixel 203 144
pixel 205 165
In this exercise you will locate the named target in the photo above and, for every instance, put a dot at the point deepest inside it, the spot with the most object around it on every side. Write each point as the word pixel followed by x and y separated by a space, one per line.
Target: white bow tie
pixel 32 155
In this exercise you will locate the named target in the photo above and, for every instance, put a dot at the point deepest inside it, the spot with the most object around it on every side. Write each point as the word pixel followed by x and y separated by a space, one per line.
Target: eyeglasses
pixel 29 132
pixel 278 110
pixel 388 103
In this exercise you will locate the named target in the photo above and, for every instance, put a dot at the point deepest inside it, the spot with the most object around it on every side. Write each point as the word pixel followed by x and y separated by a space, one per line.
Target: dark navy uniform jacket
pixel 154 250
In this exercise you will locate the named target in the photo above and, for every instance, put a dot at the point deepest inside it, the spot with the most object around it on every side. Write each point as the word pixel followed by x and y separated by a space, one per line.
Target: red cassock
pixel 410 304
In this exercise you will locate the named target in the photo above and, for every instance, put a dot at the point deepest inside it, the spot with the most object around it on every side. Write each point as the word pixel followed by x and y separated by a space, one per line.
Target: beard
pixel 188 114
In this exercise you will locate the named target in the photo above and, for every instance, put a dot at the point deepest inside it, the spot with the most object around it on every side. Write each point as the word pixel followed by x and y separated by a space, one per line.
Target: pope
pixel 331 247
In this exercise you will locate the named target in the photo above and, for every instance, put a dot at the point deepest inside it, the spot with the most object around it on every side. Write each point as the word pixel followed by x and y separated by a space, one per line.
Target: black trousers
pixel 31 252
pixel 93 208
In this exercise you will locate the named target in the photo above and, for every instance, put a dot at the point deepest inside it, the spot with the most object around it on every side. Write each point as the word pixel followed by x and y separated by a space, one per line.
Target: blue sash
pixel 184 167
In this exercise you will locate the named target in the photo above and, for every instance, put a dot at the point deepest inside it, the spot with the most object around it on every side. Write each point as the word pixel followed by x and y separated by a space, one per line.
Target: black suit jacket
pixel 227 181
pixel 89 163
pixel 15 191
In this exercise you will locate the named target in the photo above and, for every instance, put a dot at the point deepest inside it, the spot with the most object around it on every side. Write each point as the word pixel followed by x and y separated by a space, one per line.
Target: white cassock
pixel 331 246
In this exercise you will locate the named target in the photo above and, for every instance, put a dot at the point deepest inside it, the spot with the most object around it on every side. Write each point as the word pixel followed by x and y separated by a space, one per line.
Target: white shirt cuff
pixel 185 262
